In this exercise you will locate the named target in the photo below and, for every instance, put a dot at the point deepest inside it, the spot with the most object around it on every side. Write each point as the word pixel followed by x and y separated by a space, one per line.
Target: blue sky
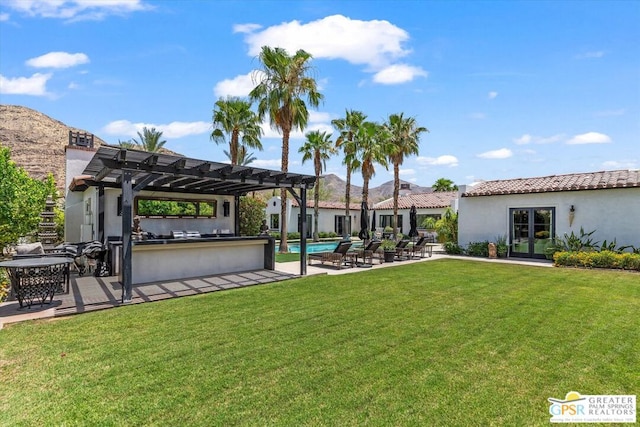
pixel 507 88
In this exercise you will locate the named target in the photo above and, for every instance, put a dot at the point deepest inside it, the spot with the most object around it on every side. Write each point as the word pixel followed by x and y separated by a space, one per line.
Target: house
pixel 427 205
pixel 532 211
pixel 331 216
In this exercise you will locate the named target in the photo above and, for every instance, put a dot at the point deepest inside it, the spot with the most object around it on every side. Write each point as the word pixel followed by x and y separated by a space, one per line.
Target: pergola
pixel 133 171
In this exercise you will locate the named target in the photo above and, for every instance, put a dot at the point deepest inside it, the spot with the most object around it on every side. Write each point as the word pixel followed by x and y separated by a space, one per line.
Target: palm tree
pixel 282 83
pixel 348 127
pixel 127 144
pixel 149 140
pixel 404 140
pixel 444 184
pixel 244 158
pixel 318 147
pixel 372 148
pixel 233 116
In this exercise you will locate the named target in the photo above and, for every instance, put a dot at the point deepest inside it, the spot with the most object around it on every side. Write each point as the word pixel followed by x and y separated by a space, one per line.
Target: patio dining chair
pixel 418 248
pixel 401 246
pixel 338 257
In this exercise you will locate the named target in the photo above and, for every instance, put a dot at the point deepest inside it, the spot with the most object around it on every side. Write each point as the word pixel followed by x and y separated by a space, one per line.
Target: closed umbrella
pixel 413 222
pixel 364 222
pixel 373 224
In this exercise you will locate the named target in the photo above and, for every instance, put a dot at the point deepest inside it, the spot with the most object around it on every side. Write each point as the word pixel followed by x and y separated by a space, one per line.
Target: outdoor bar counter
pixel 175 259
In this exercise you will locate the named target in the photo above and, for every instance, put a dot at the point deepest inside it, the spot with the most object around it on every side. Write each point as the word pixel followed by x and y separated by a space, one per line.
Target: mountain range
pixel 37 144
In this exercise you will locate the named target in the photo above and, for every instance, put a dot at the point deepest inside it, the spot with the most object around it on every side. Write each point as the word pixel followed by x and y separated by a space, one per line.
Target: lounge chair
pixel 401 246
pixel 337 257
pixel 420 247
pixel 368 251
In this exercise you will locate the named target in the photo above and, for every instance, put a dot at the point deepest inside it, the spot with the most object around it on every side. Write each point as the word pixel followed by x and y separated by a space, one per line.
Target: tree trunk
pixel 347 197
pixel 284 247
pixel 316 202
pixel 396 194
pixel 233 147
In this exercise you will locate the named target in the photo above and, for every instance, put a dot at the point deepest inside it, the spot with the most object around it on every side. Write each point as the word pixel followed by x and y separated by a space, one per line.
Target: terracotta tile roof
pixel 421 200
pixel 553 183
pixel 328 205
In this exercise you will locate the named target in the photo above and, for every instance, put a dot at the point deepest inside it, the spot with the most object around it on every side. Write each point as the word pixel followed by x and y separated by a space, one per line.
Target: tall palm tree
pixel 149 140
pixel 444 184
pixel 243 158
pixel 282 83
pixel 404 140
pixel 318 147
pixel 348 127
pixel 233 117
pixel 127 144
pixel 372 148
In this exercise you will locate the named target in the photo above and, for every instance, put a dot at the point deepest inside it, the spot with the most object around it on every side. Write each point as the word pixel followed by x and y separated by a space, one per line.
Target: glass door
pixel 531 229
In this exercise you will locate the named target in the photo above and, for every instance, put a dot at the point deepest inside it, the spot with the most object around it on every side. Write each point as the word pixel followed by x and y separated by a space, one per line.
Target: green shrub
pixel 453 248
pixel 603 259
pixel 251 215
pixel 275 234
pixel 4 285
pixel 294 235
pixel 480 249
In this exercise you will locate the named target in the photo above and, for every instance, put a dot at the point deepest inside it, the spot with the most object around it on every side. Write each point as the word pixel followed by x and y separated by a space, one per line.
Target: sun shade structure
pixel 133 171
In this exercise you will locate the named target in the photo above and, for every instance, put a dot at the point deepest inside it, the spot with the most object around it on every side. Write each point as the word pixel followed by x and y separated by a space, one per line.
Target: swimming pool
pixel 315 247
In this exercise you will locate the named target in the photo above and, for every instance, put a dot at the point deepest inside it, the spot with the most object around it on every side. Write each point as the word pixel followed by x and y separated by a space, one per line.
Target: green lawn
pixel 447 342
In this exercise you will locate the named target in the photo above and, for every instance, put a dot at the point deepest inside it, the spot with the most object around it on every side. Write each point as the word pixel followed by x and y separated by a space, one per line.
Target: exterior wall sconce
pixel 572 215
pixel 226 207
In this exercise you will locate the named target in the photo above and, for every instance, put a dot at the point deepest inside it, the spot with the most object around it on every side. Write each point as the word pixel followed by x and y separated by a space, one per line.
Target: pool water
pixel 315 247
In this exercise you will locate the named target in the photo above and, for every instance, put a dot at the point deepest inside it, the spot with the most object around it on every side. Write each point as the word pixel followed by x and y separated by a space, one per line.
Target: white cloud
pixel 73 85
pixel 375 43
pixel 398 73
pixel 246 28
pixel 4 17
pixel 170 130
pixel 267 163
pixel 590 138
pixel 445 160
pixel 502 153
pixel 34 85
pixel 532 139
pixel 590 55
pixel 58 60
pixel 625 164
pixel 238 86
pixel 407 171
pixel 76 10
pixel 319 121
pixel 492 95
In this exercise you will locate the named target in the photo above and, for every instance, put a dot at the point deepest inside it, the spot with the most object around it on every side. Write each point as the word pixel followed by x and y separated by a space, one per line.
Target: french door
pixel 530 230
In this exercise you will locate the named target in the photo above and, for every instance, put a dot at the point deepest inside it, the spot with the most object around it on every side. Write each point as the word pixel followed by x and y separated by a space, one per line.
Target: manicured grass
pixel 445 342
pixel 287 257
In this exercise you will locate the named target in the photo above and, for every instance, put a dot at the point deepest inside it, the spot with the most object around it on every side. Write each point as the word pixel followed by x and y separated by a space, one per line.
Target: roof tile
pixel 420 200
pixel 554 183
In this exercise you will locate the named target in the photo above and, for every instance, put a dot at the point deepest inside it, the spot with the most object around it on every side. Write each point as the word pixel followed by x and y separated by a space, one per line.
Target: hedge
pixel 603 259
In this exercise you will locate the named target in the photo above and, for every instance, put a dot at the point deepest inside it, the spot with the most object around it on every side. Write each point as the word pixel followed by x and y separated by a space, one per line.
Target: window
pixel 423 217
pixel 274 221
pixel 342 225
pixel 177 208
pixel 387 221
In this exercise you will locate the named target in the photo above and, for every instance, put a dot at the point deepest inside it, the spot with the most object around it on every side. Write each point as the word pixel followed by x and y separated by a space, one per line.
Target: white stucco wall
pixel 326 217
pixel 613 213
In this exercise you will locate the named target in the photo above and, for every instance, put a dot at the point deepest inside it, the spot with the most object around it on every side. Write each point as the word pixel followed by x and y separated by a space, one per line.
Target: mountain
pixel 36 141
pixel 337 187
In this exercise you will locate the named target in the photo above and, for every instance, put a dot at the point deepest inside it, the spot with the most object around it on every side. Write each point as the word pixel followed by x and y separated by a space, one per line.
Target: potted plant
pixel 389 250
pixel 388 232
pixel 501 246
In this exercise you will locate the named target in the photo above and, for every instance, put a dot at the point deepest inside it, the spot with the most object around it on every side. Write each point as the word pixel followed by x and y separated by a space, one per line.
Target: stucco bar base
pixel 170 260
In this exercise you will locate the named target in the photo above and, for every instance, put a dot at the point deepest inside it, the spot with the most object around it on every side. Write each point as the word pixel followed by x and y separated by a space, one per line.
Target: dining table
pixel 37 279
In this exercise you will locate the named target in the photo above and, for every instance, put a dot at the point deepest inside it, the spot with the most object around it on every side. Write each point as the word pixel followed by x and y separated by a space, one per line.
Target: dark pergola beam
pixel 141 184
pixel 104 172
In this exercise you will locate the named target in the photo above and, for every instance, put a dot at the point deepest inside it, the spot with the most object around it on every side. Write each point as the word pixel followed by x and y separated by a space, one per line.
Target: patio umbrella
pixel 373 224
pixel 413 222
pixel 364 222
